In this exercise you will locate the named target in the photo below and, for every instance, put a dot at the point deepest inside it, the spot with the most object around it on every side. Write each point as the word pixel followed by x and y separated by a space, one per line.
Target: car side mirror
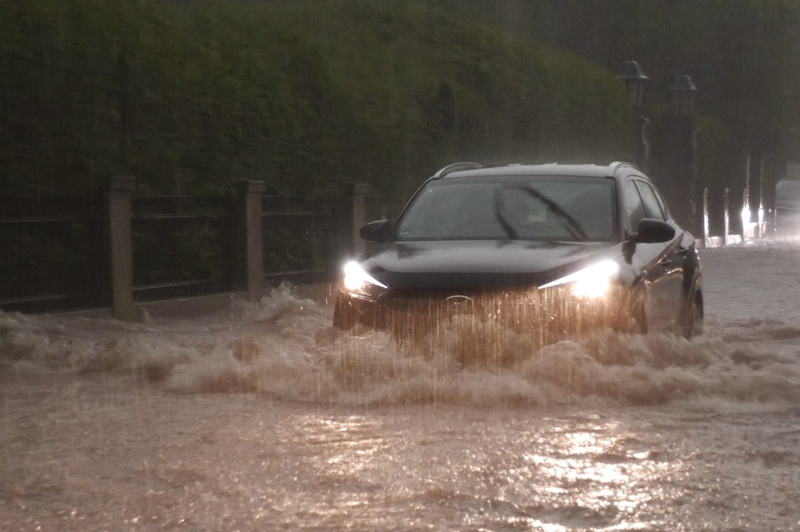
pixel 377 231
pixel 652 231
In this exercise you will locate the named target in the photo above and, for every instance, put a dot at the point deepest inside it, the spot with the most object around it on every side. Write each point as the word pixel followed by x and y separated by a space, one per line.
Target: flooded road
pixel 262 418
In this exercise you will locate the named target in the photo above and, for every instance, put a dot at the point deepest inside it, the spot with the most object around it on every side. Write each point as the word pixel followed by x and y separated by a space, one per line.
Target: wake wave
pixel 283 347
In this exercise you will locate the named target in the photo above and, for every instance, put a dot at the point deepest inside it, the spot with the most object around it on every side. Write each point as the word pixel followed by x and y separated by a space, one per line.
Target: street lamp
pixel 667 150
pixel 683 94
pixel 635 82
pixel 682 136
pixel 635 85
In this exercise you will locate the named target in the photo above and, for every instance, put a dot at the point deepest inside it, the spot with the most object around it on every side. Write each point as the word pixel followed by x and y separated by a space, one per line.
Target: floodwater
pixel 260 417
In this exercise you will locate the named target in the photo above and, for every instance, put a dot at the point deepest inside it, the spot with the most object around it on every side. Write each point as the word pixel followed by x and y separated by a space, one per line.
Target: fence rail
pixel 298 243
pixel 119 249
pixel 181 246
pixel 49 258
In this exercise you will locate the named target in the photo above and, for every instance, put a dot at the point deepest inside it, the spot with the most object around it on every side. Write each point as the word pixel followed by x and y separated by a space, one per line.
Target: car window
pixel 592 206
pixel 525 208
pixel 452 212
pixel 634 208
pixel 651 203
pixel 662 202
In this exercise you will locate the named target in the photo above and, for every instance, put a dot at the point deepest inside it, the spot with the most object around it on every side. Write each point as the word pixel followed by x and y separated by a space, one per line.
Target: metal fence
pixel 182 246
pixel 51 253
pixel 55 252
pixel 301 239
pixel 119 249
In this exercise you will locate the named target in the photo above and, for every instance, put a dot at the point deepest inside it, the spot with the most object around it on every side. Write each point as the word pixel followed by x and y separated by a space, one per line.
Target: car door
pixel 671 261
pixel 655 263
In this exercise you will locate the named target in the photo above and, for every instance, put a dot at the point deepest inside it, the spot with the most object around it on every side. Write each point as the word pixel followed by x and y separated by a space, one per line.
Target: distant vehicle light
pixel 591 282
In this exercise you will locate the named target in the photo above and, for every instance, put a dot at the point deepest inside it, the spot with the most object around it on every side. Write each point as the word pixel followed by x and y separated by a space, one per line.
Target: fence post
pixel 706 233
pixel 745 212
pixel 358 193
pixel 120 192
pixel 99 254
pixel 773 218
pixel 251 192
pixel 726 210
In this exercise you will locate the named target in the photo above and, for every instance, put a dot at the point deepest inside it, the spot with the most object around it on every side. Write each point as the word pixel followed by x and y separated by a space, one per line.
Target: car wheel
pixel 693 325
pixel 343 315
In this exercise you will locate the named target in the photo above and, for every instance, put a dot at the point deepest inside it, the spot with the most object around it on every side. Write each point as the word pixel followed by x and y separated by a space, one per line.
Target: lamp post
pixel 682 94
pixel 666 151
pixel 635 85
pixel 683 137
pixel 635 82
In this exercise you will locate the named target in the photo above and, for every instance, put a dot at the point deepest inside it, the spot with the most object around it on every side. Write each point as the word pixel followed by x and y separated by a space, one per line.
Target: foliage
pixel 741 54
pixel 192 97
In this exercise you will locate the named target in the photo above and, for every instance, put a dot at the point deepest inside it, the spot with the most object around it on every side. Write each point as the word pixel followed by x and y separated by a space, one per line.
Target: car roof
pixel 457 170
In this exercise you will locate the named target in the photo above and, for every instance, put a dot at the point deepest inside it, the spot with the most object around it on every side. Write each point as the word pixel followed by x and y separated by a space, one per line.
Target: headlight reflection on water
pixel 483 470
pixel 594 471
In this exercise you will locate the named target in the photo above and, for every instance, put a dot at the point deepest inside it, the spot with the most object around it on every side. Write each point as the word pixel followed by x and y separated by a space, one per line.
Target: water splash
pixel 283 347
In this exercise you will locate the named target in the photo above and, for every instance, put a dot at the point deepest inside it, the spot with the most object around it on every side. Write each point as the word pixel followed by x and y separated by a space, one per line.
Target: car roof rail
pixel 455 167
pixel 616 165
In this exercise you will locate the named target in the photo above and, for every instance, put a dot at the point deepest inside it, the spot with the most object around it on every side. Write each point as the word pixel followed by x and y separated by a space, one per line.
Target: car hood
pixel 482 264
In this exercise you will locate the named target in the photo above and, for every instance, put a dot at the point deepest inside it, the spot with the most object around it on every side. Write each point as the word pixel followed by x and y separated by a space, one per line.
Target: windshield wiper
pixel 498 208
pixel 568 221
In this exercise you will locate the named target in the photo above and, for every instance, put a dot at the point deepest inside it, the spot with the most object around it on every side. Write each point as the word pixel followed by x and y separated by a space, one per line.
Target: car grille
pixel 549 314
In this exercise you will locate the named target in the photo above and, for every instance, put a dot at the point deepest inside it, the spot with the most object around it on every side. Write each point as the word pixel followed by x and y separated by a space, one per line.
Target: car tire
pixel 693 323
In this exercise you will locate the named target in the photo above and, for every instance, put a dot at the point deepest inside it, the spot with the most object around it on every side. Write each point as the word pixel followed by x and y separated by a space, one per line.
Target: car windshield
pixel 532 208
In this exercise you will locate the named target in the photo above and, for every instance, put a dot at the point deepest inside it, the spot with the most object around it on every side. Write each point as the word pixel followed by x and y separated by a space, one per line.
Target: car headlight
pixel 360 283
pixel 591 282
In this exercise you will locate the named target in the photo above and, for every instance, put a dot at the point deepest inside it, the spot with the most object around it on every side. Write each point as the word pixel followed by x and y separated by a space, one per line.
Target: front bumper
pixel 548 315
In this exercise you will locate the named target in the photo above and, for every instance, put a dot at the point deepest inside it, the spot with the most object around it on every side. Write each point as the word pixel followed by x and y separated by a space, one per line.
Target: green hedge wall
pixel 192 97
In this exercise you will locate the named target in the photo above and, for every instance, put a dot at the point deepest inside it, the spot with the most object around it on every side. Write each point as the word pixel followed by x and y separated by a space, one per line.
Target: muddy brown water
pixel 259 417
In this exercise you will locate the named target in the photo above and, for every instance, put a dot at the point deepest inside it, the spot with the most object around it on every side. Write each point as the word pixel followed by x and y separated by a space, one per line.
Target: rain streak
pixel 264 415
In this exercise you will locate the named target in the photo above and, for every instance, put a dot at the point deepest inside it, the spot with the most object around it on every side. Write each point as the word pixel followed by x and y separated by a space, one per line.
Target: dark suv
pixel 545 249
